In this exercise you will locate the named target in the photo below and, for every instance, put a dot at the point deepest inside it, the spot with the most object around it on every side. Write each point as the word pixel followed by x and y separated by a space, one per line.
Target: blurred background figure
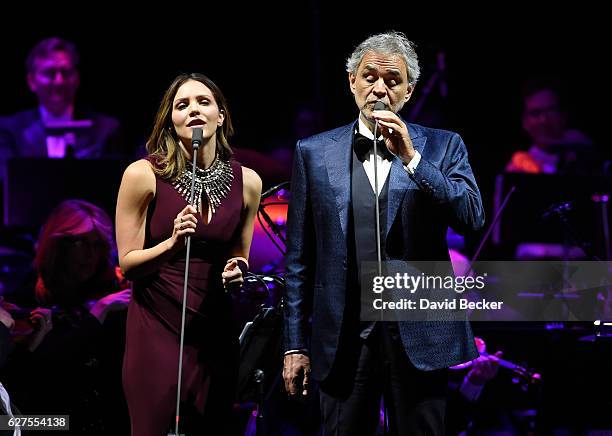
pixel 6 324
pixel 69 351
pixel 554 147
pixel 75 255
pixel 480 402
pixel 58 127
pixel 307 121
pixel 550 216
pixel 273 159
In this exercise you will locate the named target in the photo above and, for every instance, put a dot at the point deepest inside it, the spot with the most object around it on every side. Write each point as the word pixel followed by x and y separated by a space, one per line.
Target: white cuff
pixel 411 166
pixel 296 351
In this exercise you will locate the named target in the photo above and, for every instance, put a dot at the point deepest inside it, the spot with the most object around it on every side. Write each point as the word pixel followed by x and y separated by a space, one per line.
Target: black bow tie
pixel 363 145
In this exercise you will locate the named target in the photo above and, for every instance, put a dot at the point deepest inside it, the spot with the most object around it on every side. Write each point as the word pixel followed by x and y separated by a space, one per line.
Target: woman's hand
pixel 184 224
pixel 232 275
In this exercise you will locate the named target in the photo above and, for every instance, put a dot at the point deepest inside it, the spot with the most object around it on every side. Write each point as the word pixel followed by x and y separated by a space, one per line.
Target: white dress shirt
pixel 56 144
pixel 383 165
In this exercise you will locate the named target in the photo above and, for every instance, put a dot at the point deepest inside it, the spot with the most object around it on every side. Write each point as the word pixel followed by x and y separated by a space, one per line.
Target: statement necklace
pixel 215 181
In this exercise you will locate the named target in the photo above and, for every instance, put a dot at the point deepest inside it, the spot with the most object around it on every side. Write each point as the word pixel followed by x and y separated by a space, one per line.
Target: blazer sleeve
pixel 453 185
pixel 299 259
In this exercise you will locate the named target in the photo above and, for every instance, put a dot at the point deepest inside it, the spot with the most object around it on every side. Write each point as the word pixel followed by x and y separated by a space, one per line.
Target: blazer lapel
pixel 399 180
pixel 338 163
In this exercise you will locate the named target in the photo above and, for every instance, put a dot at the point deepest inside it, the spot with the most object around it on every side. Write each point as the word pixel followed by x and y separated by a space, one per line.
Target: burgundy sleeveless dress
pixel 150 364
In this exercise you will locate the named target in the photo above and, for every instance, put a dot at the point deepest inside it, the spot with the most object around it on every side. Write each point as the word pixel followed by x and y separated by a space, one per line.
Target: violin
pixel 21 315
pixel 522 376
pixel 23 324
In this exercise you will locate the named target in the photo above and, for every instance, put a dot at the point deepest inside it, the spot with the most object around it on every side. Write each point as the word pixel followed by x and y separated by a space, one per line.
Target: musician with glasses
pixel 59 126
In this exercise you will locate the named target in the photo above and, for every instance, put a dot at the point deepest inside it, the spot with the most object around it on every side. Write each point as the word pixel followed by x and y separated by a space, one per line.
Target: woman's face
pixel 194 106
pixel 79 258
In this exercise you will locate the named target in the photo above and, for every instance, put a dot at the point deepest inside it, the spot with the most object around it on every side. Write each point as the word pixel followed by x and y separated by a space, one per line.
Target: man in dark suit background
pixel 425 185
pixel 57 128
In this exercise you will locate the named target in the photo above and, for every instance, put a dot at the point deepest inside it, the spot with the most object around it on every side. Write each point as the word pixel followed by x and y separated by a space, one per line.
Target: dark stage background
pixel 270 61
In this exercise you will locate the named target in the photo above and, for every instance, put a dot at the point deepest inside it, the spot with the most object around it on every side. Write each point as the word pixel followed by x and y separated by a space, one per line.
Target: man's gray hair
pixel 394 43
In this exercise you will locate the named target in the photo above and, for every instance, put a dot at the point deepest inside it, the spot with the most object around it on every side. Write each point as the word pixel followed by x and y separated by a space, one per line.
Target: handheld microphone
pixel 379 106
pixel 197 137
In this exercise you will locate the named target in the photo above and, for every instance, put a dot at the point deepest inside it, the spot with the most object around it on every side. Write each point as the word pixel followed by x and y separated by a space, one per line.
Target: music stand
pixel 260 358
pixel 530 215
pixel 260 349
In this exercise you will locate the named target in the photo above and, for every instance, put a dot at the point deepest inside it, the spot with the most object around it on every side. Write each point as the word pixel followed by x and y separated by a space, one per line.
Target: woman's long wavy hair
pixel 69 221
pixel 163 145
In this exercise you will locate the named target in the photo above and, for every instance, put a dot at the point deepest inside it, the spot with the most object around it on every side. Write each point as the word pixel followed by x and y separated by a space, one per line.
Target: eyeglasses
pixel 549 110
pixel 51 73
pixel 80 241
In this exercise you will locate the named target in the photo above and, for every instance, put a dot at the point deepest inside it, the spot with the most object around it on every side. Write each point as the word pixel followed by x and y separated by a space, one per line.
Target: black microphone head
pixel 380 106
pixel 197 137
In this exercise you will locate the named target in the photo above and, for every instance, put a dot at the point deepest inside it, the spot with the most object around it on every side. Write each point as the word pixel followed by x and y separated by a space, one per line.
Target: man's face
pixel 380 77
pixel 54 81
pixel 543 118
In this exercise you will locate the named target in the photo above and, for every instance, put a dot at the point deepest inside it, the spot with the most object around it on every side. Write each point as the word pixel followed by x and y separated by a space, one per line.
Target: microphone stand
pixel 273 226
pixel 377 106
pixel 262 211
pixel 195 143
pixel 489 230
